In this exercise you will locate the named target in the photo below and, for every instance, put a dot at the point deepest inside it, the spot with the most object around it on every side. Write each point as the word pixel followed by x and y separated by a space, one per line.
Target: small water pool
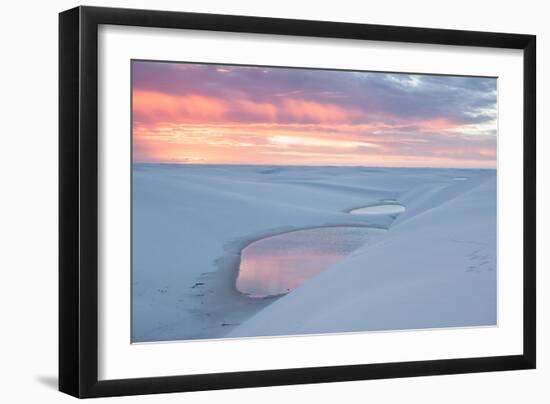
pixel 277 264
pixel 379 209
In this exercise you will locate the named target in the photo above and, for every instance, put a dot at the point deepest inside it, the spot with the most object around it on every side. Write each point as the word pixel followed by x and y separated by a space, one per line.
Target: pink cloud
pixel 157 107
pixel 311 111
pixel 153 106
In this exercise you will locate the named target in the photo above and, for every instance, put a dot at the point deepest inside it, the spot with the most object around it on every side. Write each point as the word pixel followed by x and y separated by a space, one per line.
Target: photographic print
pixel 284 201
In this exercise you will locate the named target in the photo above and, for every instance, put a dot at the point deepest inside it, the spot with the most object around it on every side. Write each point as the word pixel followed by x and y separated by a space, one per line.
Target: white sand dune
pixel 435 267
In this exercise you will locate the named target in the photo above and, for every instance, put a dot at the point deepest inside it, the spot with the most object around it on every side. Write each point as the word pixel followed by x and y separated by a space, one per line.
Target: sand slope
pixel 436 267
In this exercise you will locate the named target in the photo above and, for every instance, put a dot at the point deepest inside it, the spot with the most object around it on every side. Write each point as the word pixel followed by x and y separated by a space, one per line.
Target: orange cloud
pixel 157 106
pixel 306 144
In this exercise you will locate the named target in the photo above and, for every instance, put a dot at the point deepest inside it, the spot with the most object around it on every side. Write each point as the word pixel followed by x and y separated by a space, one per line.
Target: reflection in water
pixel 379 209
pixel 277 264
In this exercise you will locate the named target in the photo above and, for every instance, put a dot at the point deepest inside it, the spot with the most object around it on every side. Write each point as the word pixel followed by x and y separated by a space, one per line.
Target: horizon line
pixel 306 165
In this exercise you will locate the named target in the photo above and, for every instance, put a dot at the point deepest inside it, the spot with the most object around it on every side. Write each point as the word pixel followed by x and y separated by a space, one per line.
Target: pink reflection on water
pixel 275 265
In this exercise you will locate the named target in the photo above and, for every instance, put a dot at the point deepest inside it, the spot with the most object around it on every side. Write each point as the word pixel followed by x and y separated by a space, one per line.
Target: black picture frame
pixel 78 201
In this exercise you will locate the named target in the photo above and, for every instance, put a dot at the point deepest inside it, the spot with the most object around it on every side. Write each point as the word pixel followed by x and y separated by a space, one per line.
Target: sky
pixel 226 114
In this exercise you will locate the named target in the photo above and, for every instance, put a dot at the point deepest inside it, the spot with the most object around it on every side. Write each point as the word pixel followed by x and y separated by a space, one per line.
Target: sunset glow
pixel 221 114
